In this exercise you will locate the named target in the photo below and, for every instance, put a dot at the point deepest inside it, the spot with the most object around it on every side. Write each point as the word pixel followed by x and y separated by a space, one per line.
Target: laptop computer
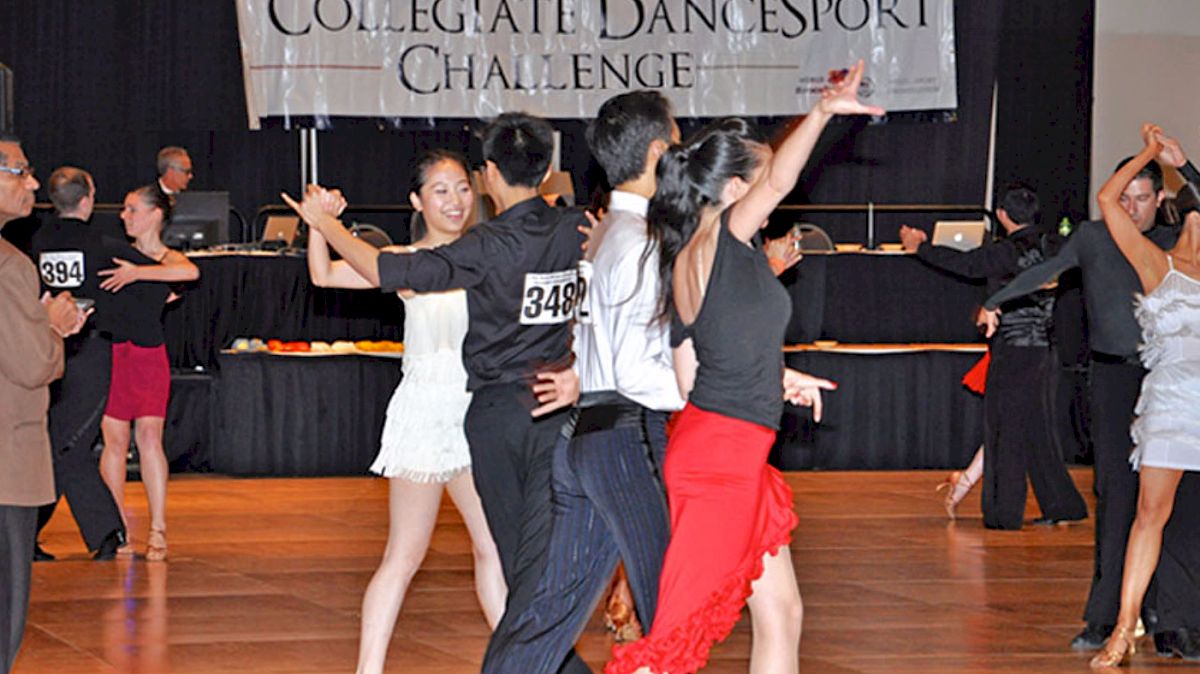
pixel 959 234
pixel 280 230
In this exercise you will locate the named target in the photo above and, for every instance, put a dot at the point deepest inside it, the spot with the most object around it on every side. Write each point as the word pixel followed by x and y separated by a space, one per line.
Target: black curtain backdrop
pixel 103 85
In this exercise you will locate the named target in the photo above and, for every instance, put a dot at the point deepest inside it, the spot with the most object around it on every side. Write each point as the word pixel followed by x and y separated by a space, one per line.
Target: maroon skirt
pixel 141 382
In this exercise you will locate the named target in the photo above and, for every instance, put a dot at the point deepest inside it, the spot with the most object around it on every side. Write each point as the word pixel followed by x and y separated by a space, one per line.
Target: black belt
pixel 1114 359
pixel 608 410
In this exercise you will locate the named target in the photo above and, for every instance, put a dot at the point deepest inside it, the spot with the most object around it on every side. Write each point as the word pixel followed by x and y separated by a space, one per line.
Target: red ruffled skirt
pixel 141 382
pixel 976 378
pixel 728 509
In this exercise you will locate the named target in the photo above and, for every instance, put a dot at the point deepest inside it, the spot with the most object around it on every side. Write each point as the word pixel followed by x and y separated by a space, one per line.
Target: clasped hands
pixel 320 206
pixel 66 318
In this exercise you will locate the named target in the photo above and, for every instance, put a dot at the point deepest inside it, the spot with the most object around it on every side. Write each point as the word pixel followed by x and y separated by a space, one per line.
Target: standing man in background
pixel 32 334
pixel 174 169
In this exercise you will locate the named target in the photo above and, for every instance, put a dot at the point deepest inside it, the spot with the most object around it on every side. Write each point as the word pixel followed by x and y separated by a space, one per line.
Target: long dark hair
pixel 420 176
pixel 690 177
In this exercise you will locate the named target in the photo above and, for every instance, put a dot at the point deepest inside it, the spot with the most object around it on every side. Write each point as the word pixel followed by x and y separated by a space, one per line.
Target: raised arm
pixel 1147 259
pixel 781 174
pixel 360 256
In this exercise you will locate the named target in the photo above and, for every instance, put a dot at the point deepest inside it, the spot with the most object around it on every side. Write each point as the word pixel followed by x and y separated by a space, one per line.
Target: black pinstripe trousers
pixel 608 504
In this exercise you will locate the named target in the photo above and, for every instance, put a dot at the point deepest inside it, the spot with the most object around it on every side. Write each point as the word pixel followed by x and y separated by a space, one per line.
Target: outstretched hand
pixel 842 98
pixel 805 390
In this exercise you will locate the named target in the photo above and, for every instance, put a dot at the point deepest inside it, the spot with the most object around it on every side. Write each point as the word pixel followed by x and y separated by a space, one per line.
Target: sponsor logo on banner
pixel 563 58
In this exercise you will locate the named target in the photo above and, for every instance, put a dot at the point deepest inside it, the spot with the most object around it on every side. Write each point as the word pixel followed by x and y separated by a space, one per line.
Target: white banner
pixel 563 58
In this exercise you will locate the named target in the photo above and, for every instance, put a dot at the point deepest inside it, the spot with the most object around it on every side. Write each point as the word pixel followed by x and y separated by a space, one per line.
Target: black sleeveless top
pixel 738 334
pixel 136 311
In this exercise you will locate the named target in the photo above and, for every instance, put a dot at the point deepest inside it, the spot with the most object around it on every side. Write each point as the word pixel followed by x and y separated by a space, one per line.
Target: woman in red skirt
pixel 141 376
pixel 731 513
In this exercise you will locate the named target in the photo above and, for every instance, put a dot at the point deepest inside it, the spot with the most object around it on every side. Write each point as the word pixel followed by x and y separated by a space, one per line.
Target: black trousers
pixel 511 458
pixel 1017 442
pixel 16 561
pixel 609 503
pixel 76 409
pixel 1175 592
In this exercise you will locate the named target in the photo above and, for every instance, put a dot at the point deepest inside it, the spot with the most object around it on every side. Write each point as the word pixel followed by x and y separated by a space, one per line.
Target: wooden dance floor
pixel 267 575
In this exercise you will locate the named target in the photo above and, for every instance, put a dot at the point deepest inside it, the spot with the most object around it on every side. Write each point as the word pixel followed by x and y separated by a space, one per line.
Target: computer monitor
pixel 200 220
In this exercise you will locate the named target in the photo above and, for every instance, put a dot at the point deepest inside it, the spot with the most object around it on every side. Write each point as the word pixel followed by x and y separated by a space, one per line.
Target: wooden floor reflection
pixel 267 575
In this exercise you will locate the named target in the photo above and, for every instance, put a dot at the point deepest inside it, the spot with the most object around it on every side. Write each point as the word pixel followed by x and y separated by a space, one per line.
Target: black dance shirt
pixel 68 253
pixel 1023 322
pixel 519 271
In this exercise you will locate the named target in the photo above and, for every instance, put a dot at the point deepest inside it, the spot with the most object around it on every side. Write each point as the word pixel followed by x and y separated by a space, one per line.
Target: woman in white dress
pixel 1166 433
pixel 423 448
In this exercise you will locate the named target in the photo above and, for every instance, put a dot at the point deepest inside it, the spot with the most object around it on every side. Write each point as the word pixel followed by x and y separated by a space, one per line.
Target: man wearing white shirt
pixel 608 494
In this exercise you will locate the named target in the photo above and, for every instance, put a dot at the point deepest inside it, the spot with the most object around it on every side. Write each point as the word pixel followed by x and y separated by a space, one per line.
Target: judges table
pixel 322 415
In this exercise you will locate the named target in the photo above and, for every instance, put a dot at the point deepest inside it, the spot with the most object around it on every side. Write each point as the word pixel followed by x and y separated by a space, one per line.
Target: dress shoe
pixel 40 555
pixel 1164 643
pixel 1050 521
pixel 108 547
pixel 1187 644
pixel 1091 638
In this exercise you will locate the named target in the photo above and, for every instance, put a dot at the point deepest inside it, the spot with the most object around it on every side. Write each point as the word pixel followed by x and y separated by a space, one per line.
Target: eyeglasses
pixel 185 171
pixel 19 171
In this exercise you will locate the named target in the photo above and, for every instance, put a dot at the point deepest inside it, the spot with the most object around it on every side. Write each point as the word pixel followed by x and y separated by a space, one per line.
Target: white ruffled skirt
pixel 423 438
pixel 1167 430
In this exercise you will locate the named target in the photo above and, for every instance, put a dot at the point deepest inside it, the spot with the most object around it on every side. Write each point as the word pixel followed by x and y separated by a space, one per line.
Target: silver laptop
pixel 281 228
pixel 959 234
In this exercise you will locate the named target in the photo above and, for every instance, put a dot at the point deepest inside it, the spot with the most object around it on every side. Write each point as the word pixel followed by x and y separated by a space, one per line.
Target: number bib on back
pixel 549 298
pixel 62 269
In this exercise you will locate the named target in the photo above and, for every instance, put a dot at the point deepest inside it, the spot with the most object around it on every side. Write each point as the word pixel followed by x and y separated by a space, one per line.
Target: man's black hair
pixel 520 145
pixel 623 129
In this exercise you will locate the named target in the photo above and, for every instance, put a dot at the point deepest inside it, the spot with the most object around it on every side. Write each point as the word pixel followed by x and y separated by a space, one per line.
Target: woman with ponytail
pixel 140 386
pixel 731 513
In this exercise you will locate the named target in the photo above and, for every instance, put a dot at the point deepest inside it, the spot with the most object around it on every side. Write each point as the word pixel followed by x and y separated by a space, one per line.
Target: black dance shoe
pixel 1091 638
pixel 1187 644
pixel 1164 643
pixel 40 555
pixel 108 547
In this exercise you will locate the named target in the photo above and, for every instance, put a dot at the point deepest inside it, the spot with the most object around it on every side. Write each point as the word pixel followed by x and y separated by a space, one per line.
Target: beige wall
pixel 1147 69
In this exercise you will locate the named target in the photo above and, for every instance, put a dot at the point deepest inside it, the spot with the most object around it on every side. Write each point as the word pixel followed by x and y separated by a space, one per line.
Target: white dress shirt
pixel 620 345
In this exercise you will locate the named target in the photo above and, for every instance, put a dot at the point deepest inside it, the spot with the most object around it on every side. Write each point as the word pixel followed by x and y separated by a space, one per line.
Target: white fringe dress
pixel 1167 430
pixel 423 438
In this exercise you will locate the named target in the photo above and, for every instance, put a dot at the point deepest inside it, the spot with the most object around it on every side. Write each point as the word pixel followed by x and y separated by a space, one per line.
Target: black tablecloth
pixel 851 298
pixel 891 411
pixel 281 415
pixel 271 298
pixel 892 299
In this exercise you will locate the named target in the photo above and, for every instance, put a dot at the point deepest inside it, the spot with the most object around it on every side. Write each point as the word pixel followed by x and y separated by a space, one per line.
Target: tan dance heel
pixel 156 546
pixel 1116 650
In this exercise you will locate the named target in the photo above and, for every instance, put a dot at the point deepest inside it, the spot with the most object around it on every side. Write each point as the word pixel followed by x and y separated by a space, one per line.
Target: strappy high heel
pixel 956 485
pixel 156 546
pixel 1116 650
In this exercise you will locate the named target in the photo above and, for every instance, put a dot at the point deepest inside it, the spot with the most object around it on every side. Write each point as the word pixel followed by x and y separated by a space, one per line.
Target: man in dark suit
pixel 32 334
pixel 68 252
